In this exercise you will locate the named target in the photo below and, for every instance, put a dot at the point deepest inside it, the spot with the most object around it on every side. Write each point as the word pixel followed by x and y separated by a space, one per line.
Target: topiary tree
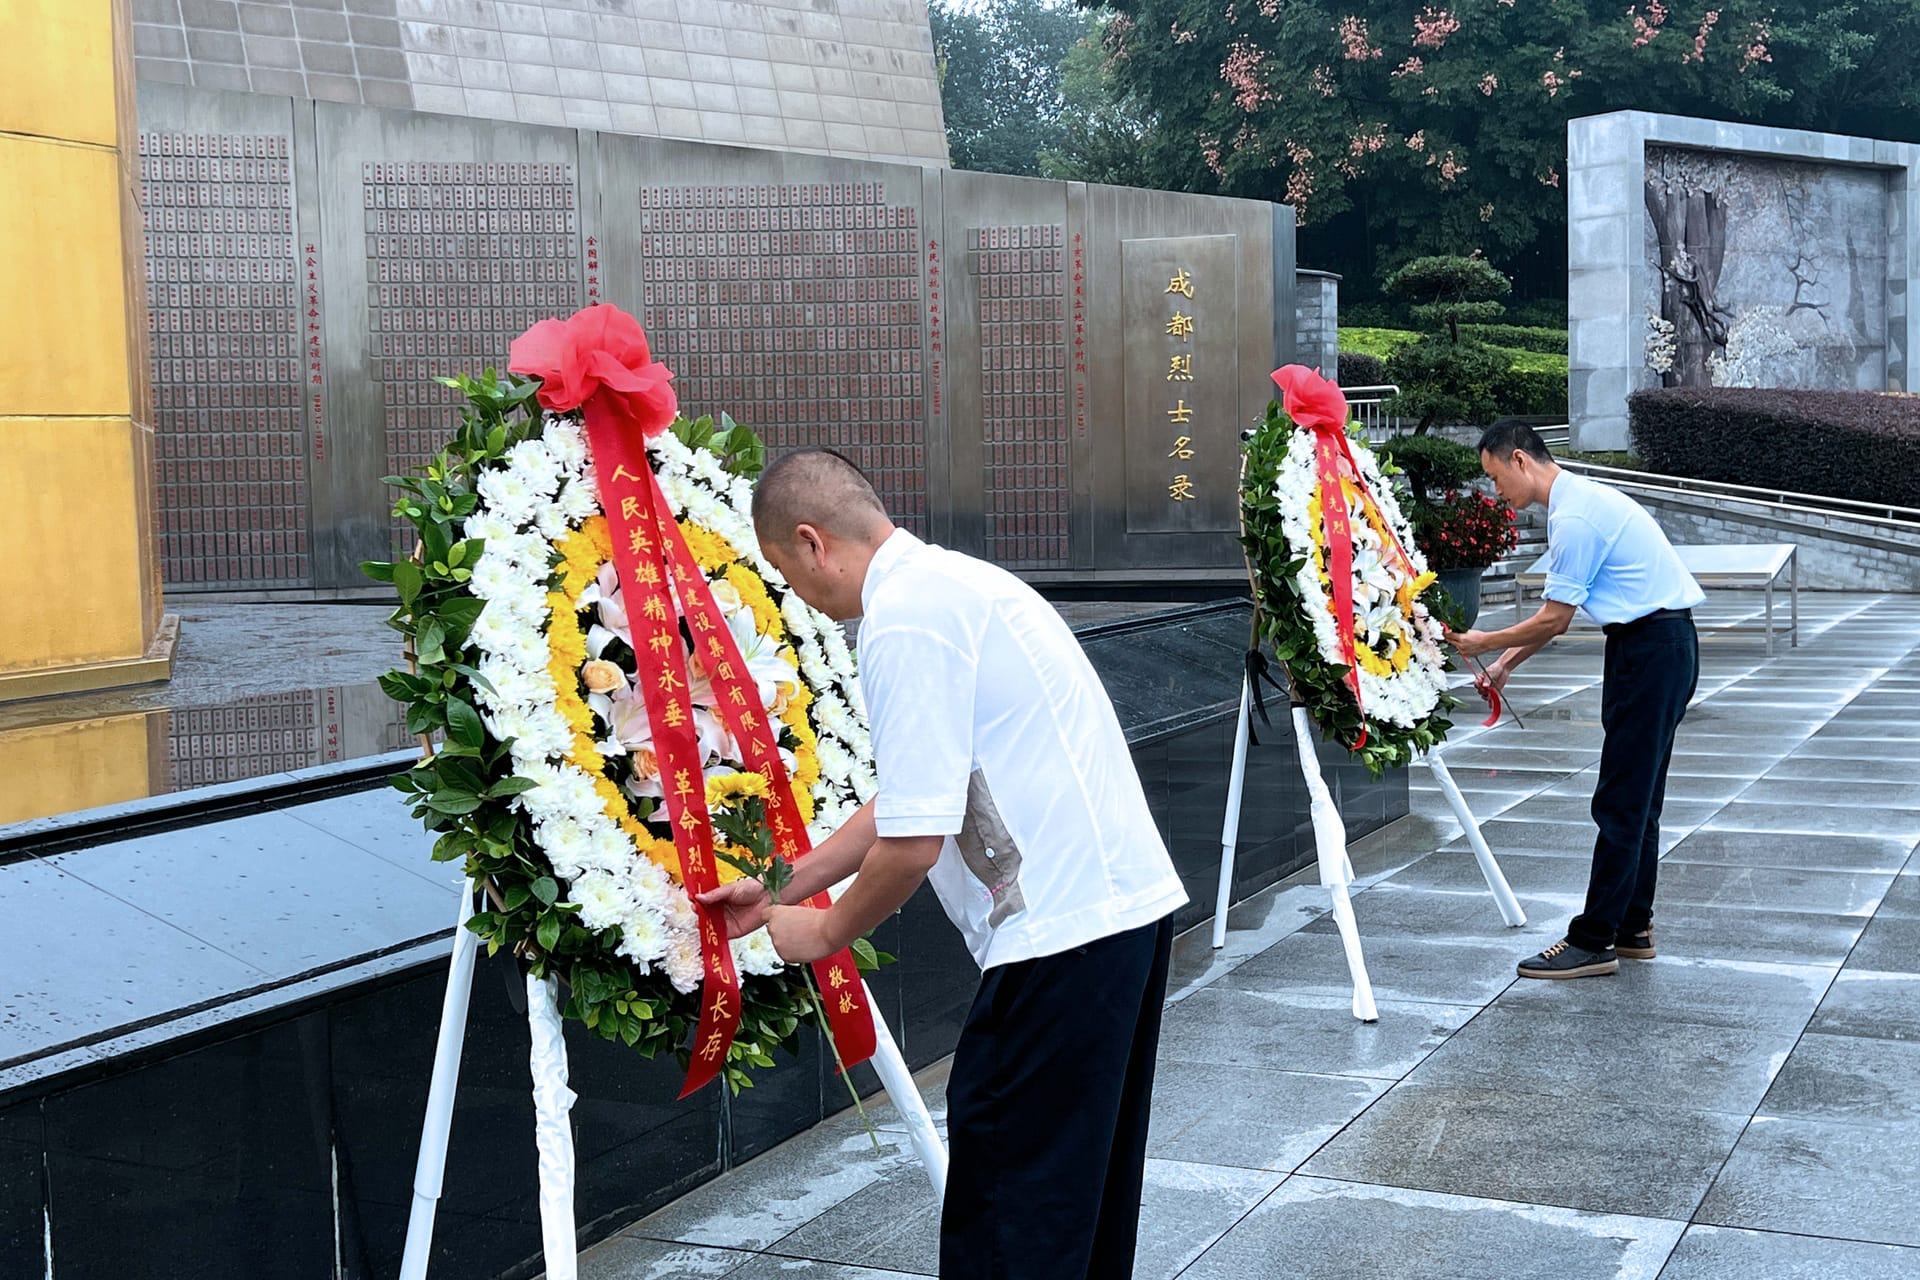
pixel 1445 382
pixel 1443 378
pixel 1451 291
pixel 1432 464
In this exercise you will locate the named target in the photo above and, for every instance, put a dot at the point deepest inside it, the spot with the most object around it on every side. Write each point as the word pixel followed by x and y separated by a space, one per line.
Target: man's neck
pixel 1552 477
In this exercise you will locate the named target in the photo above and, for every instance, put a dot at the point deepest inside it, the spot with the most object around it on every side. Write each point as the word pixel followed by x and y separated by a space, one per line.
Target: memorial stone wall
pixel 1050 374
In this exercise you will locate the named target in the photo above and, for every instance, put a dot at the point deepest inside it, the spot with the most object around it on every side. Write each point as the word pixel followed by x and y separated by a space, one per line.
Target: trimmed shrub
pixel 1528 392
pixel 1518 337
pixel 1843 444
pixel 1433 464
pixel 1358 369
pixel 1442 383
pixel 1375 342
pixel 1544 313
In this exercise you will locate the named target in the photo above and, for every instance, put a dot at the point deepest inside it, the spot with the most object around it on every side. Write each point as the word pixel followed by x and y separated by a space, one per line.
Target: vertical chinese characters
pixel 1181 326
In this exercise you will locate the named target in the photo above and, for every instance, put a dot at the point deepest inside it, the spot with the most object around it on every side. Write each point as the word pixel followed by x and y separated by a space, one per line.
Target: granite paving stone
pixel 1854 1081
pixel 1278 1120
pixel 1864 1002
pixel 1815 1178
pixel 1790 850
pixel 1322 1229
pixel 1723 1253
pixel 1685 991
pixel 1305 1033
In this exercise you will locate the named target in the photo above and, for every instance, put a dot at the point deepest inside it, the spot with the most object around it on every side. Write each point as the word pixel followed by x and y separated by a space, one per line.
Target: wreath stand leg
pixel 429 1175
pixel 1230 830
pixel 1336 869
pixel 552 1131
pixel 1496 880
pixel 922 1136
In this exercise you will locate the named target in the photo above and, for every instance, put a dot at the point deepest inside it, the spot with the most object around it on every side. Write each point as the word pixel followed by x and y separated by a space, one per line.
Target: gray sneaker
pixel 1564 960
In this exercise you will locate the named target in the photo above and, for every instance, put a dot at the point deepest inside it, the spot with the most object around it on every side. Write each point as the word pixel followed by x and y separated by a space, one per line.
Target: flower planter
pixel 1463 588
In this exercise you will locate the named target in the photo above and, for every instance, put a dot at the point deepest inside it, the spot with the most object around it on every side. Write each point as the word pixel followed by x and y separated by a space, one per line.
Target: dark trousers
pixel 1652 669
pixel 1047 1110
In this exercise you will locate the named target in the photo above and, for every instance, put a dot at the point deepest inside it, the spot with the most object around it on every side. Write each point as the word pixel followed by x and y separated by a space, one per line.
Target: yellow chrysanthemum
pixel 710 551
pixel 753 594
pixel 728 788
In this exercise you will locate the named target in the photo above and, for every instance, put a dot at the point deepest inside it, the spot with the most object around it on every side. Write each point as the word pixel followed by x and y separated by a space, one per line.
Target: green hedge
pixel 1529 392
pixel 1358 369
pixel 1518 337
pixel 1844 444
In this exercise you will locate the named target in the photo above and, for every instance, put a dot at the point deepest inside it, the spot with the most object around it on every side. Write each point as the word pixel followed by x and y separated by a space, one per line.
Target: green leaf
pixel 429 642
pixel 454 802
pixel 515 896
pixel 378 570
pixel 463 723
pixel 459 614
pixel 546 890
pixel 548 934
pixel 864 955
pixel 510 787
pixel 407 580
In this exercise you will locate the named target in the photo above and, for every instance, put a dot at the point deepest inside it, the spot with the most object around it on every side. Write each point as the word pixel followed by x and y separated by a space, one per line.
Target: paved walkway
pixel 1746 1105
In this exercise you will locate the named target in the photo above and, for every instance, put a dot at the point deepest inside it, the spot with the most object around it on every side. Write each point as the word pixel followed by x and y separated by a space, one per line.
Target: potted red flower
pixel 1462 532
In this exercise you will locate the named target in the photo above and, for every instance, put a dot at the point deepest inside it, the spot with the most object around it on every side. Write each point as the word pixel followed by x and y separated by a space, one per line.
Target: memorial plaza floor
pixel 1746 1105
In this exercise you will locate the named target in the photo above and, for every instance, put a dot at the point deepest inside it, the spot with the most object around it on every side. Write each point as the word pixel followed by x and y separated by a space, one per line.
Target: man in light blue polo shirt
pixel 1605 555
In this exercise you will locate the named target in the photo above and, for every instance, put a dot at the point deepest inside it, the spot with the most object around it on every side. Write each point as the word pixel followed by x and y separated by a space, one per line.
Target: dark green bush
pixel 1530 392
pixel 1433 464
pixel 1543 313
pixel 1551 342
pixel 1443 383
pixel 1358 369
pixel 1447 292
pixel 1843 444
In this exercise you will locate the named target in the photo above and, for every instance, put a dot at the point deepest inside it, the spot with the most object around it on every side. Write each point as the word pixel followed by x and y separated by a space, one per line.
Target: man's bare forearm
pixel 1519 654
pixel 835 858
pixel 890 873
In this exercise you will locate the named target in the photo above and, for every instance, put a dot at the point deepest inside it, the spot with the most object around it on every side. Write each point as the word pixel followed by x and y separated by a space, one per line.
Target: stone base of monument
pixel 223 1004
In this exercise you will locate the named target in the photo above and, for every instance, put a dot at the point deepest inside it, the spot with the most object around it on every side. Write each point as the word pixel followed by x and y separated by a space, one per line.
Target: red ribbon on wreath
pixel 598 362
pixel 1318 405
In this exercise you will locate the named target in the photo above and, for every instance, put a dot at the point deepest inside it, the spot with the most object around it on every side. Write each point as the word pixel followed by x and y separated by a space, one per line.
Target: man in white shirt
pixel 1605 555
pixel 1005 782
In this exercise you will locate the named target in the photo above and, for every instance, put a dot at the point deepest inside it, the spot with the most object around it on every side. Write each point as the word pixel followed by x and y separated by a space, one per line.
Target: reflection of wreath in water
pixel 549 788
pixel 1401 667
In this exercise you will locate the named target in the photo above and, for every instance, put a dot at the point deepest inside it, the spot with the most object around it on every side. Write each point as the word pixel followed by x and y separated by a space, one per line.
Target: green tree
pixel 1001 66
pixel 1400 129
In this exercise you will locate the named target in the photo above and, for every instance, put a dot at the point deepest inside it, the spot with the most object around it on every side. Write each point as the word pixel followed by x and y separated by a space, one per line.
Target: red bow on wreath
pixel 598 362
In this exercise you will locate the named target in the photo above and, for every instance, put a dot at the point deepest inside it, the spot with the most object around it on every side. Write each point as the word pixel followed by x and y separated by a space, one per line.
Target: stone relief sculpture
pixel 1766 273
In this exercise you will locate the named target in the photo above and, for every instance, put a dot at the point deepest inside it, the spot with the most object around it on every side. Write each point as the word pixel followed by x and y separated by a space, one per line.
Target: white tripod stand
pixel 552 1100
pixel 1330 842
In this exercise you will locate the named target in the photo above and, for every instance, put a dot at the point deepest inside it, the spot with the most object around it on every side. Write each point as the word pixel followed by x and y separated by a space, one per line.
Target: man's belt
pixel 1658 615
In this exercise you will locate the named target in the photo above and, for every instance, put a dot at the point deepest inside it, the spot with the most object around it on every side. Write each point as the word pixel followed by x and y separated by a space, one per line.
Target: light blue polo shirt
pixel 1606 555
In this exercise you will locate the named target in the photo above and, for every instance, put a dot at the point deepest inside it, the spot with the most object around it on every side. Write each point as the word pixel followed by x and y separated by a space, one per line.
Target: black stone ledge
pixel 62 833
pixel 132 1046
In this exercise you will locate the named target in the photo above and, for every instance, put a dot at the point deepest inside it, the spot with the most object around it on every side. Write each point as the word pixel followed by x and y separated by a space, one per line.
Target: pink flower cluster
pixel 1553 83
pixel 1300 181
pixel 1243 73
pixel 1450 168
pixel 1432 26
pixel 1353 34
pixel 1757 45
pixel 1182 37
pixel 1269 9
pixel 1488 83
pixel 1551 177
pixel 1323 81
pixel 1411 67
pixel 1210 152
pixel 1417 141
pixel 1699 53
pixel 1645 29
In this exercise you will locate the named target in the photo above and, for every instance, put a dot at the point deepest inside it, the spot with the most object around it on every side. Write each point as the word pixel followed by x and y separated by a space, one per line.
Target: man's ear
pixel 809 542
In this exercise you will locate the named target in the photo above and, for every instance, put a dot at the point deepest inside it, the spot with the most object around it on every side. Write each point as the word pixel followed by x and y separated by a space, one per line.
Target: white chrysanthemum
pixel 489 526
pixel 643 937
pixel 507 494
pixel 755 955
pixel 604 901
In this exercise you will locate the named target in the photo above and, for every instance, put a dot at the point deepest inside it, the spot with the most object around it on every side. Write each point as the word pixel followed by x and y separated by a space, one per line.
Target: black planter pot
pixel 1463 588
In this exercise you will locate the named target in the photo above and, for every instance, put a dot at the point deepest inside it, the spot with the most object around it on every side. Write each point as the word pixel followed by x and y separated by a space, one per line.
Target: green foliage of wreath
pixel 1283 624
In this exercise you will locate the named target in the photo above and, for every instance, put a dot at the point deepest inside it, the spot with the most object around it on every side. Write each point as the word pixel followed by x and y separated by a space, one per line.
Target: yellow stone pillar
pixel 79 578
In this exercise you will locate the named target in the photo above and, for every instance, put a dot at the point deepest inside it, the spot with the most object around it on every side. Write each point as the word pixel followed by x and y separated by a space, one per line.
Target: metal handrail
pixel 1369 394
pixel 1778 499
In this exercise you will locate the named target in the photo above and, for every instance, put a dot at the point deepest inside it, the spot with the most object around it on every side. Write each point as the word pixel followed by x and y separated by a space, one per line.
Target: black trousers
pixel 1652 669
pixel 1047 1110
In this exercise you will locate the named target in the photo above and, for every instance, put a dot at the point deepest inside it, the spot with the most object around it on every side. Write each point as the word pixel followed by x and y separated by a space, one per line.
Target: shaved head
pixel 821 488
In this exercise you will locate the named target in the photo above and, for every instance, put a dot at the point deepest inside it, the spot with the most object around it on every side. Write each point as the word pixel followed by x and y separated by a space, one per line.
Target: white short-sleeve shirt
pixel 991 728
